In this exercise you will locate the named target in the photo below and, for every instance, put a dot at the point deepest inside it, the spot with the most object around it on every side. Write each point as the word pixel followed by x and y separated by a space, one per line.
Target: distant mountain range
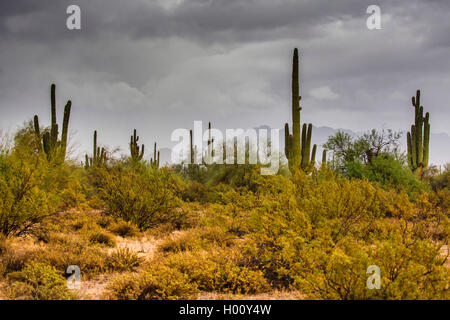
pixel 439 144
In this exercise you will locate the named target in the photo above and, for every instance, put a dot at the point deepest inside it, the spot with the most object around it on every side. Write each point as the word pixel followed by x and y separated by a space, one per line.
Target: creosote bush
pixel 142 196
pixel 123 259
pixel 156 283
pixel 39 282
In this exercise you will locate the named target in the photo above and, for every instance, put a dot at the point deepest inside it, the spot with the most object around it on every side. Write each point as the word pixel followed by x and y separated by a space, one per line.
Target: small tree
pixel 23 203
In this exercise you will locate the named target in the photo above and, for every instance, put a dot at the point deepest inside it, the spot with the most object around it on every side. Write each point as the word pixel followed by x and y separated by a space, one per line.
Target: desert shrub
pixel 156 283
pixel 14 258
pixel 141 196
pixel 341 203
pixel 328 272
pixel 101 237
pixel 23 203
pixel 277 230
pixel 408 270
pixel 124 228
pixel 65 250
pixel 79 223
pixel 442 180
pixel 387 171
pixel 412 269
pixel 195 191
pixel 440 183
pixel 68 185
pixel 197 238
pixel 231 212
pixel 222 270
pixel 3 244
pixel 123 260
pixel 39 282
pixel 105 221
pixel 235 175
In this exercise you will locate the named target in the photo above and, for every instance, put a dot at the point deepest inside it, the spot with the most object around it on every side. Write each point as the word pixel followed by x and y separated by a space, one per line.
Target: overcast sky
pixel 157 65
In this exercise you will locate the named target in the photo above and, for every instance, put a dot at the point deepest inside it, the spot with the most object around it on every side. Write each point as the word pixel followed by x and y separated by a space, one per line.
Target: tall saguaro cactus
pixel 418 139
pixel 192 154
pixel 154 162
pixel 298 146
pixel 52 147
pixel 137 153
pixel 324 157
pixel 98 156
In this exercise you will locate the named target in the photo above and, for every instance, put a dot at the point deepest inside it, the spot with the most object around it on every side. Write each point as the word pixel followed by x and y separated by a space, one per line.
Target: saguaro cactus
pixel 298 146
pixel 192 152
pixel 137 153
pixel 210 142
pixel 154 162
pixel 418 139
pixel 98 156
pixel 52 147
pixel 324 157
pixel 209 153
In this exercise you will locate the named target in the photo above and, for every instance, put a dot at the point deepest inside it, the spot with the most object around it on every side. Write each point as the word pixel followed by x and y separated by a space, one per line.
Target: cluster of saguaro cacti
pixel 154 162
pixel 137 153
pixel 193 148
pixel 298 146
pixel 418 139
pixel 48 141
pixel 98 156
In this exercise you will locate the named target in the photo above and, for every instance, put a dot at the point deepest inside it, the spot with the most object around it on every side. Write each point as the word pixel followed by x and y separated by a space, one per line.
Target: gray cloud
pixel 159 65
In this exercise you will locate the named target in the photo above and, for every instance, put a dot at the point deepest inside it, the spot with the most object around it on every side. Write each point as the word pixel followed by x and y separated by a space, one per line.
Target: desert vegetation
pixel 139 230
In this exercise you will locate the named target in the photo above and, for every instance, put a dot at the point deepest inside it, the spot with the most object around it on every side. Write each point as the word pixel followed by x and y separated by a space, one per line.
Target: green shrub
pixel 221 271
pixel 387 171
pixel 156 283
pixel 141 196
pixel 102 237
pixel 23 203
pixel 66 250
pixel 38 281
pixel 123 260
pixel 124 229
pixel 14 259
pixel 197 238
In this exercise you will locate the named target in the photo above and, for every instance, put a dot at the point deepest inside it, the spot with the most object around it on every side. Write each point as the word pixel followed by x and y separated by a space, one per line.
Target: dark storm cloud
pixel 158 65
pixel 204 20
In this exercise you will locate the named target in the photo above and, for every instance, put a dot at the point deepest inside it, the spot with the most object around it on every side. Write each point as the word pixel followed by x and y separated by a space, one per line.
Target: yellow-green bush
pixel 222 270
pixel 124 228
pixel 39 281
pixel 197 238
pixel 139 195
pixel 158 282
pixel 23 203
pixel 66 250
pixel 123 259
